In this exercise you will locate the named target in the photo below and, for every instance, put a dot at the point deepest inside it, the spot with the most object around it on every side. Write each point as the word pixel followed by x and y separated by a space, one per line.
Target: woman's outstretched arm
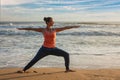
pixel 32 29
pixel 65 28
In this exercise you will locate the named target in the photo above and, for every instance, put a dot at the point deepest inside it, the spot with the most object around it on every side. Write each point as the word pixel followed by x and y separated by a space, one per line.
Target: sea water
pixel 89 46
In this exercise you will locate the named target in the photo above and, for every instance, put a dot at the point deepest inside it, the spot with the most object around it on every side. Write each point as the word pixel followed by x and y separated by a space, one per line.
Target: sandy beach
pixel 59 74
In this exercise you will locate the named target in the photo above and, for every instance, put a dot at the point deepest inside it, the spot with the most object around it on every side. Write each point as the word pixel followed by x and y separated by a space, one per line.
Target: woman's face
pixel 51 22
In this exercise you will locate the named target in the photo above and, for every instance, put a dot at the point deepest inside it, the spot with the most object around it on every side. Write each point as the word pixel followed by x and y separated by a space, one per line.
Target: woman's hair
pixel 47 19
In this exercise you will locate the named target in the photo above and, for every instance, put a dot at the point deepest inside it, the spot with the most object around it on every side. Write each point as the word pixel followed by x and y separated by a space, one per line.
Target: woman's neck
pixel 48 27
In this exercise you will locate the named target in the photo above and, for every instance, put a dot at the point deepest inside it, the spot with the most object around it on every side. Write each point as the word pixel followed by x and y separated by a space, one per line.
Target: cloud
pixel 62 4
pixel 21 14
pixel 76 10
pixel 15 2
pixel 89 16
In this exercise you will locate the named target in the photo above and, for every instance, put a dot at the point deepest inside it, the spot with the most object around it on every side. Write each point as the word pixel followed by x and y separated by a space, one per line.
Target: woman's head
pixel 49 21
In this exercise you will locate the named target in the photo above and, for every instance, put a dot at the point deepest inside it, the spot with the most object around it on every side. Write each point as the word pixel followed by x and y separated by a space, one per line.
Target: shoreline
pixel 59 74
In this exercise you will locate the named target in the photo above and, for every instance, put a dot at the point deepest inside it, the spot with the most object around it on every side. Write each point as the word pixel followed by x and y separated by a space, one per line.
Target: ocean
pixel 92 45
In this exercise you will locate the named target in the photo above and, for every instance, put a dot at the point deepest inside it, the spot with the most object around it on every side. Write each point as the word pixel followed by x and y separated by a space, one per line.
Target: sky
pixel 61 10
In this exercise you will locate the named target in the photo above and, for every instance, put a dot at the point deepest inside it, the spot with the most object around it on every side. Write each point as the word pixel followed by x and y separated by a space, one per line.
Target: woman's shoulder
pixel 53 29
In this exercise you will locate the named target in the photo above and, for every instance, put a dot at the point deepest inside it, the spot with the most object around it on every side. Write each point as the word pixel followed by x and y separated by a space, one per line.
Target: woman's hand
pixel 76 26
pixel 20 28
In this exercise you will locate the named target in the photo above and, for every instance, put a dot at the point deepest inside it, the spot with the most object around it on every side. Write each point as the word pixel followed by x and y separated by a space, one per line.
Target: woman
pixel 48 47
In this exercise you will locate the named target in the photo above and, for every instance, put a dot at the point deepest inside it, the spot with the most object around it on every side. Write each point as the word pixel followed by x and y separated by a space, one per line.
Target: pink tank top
pixel 49 38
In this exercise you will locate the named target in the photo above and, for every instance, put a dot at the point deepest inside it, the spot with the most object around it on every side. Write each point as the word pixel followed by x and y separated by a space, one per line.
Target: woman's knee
pixel 66 55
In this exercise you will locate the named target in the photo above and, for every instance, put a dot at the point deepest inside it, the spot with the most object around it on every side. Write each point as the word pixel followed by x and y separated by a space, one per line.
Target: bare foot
pixel 69 70
pixel 21 71
pixel 35 71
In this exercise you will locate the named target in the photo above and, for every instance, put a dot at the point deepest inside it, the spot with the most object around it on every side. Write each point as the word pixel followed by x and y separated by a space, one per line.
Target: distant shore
pixel 59 74
pixel 76 22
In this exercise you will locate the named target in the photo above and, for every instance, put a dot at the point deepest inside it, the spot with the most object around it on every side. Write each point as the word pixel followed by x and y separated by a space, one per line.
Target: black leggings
pixel 43 51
